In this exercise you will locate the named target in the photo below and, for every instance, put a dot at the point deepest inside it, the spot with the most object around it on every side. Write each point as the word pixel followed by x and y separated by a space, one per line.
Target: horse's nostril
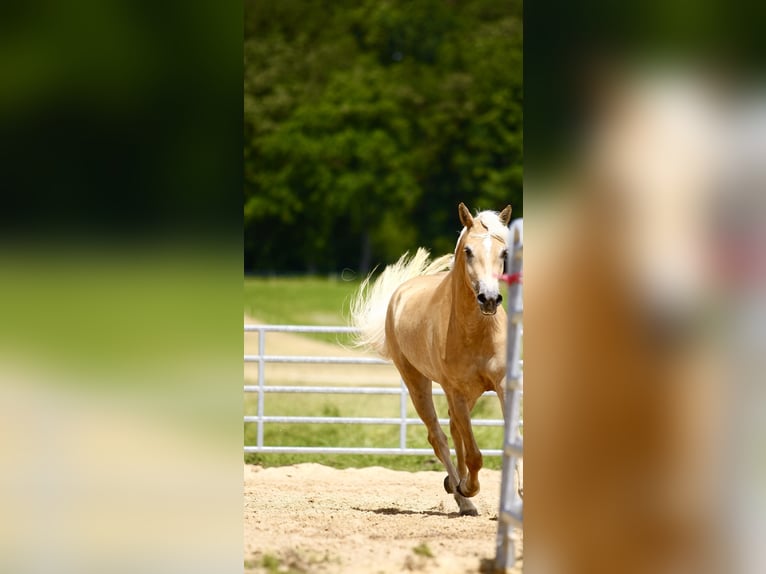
pixel 499 299
pixel 482 298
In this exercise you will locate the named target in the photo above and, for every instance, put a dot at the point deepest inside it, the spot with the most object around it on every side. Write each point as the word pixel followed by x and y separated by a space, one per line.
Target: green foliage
pixel 366 123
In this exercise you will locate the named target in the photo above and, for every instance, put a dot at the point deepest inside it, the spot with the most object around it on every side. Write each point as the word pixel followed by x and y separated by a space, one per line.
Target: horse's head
pixel 482 250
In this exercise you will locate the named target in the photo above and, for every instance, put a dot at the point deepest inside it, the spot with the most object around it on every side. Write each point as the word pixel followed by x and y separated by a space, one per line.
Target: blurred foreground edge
pixel 644 339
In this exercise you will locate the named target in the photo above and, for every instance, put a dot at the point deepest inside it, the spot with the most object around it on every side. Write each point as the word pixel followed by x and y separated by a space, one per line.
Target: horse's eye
pixel 504 254
pixel 468 252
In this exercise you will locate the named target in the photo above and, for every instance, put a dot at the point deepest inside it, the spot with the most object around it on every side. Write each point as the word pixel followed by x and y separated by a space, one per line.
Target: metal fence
pixel 511 506
pixel 263 389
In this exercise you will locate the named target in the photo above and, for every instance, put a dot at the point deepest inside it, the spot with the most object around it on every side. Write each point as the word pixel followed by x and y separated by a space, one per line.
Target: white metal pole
pixel 510 512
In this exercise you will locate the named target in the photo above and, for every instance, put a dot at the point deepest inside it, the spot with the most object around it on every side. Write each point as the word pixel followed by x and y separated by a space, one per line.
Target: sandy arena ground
pixel 312 518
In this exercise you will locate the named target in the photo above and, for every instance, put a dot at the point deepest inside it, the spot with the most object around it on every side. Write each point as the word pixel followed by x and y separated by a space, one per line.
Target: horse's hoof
pixel 462 493
pixel 448 486
pixel 469 512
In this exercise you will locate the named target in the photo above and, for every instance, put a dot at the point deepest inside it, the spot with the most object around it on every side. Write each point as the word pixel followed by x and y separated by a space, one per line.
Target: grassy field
pixel 317 301
pixel 386 436
pixel 300 301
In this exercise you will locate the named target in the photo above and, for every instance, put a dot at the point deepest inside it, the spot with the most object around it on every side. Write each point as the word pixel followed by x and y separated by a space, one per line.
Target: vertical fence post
pixel 261 382
pixel 510 503
pixel 403 414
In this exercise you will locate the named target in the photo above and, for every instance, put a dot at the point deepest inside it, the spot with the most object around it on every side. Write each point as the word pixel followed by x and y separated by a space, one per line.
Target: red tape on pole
pixel 510 278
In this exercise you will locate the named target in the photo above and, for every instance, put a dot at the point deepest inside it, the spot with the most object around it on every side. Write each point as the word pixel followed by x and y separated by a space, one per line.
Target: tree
pixel 366 124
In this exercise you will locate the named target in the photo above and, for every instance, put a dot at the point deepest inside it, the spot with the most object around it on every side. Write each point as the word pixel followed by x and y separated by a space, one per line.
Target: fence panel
pixel 263 389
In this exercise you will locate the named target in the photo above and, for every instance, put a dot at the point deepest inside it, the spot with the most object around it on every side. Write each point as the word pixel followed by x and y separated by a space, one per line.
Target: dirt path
pixel 311 518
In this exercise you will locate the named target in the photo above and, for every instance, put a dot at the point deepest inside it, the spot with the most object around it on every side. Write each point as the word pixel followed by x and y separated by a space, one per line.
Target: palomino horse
pixel 444 323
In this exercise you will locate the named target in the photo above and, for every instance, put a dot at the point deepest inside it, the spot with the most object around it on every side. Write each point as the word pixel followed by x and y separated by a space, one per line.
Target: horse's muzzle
pixel 488 305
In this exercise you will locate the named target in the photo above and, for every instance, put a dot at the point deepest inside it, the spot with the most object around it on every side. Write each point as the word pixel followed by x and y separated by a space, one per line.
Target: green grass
pixel 291 561
pixel 300 301
pixel 385 436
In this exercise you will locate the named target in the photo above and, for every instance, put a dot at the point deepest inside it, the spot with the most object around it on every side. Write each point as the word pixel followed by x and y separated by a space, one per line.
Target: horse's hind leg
pixel 422 398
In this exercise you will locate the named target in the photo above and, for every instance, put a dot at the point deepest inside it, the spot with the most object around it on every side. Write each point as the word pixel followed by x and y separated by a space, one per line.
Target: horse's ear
pixel 465 215
pixel 505 215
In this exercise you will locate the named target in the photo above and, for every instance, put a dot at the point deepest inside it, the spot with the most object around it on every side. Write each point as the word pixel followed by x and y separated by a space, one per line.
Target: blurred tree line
pixel 367 122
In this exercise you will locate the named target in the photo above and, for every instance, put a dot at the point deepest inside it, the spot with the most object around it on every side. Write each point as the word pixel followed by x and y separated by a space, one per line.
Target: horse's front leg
pixel 457 440
pixel 422 398
pixel 462 471
pixel 469 456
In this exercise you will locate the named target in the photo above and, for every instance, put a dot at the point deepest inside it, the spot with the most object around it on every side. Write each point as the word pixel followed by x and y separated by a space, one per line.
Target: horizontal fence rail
pixel 262 389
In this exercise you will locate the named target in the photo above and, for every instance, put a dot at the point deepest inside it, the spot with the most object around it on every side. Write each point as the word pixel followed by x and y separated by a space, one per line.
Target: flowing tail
pixel 370 303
